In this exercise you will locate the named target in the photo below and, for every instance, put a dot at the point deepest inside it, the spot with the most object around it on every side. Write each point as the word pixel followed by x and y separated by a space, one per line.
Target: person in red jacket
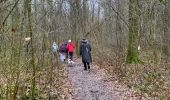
pixel 70 47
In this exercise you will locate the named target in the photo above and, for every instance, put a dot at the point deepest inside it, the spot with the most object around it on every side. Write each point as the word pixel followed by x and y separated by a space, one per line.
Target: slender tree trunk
pixel 166 24
pixel 32 51
pixel 132 53
pixel 152 35
pixel 75 16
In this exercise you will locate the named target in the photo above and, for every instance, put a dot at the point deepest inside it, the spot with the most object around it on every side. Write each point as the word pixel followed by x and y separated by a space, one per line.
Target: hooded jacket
pixel 70 47
pixel 85 51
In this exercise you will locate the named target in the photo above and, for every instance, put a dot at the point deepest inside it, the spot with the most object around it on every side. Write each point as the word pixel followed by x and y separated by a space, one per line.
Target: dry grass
pixel 149 80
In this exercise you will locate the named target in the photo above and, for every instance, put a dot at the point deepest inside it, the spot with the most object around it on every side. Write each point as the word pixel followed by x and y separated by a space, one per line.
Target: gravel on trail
pixel 95 84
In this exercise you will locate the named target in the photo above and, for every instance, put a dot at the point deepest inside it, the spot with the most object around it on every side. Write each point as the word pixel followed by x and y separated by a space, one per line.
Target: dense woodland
pixel 129 38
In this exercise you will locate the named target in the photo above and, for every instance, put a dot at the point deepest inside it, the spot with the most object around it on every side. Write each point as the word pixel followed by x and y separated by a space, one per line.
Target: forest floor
pixel 96 84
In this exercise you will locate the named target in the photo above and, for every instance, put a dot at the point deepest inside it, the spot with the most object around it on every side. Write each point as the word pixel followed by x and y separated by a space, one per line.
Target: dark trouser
pixel 66 55
pixel 86 65
pixel 70 55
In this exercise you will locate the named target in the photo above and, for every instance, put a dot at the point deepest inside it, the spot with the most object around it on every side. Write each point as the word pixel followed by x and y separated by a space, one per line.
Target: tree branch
pixel 120 16
pixel 10 13
pixel 106 20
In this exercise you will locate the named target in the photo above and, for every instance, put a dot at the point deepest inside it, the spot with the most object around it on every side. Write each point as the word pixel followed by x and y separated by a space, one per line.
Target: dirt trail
pixel 95 85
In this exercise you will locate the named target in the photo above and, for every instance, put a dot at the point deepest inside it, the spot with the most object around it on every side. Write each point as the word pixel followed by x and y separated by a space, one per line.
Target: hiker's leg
pixel 67 54
pixel 68 57
pixel 85 66
pixel 88 64
pixel 55 54
pixel 71 56
pixel 64 56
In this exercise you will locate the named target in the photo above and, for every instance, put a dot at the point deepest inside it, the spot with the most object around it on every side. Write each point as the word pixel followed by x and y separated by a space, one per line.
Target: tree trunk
pixel 32 51
pixel 166 24
pixel 132 53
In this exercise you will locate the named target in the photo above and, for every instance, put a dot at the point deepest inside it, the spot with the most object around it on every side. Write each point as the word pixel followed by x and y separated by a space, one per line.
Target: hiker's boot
pixel 72 62
pixel 85 68
pixel 88 67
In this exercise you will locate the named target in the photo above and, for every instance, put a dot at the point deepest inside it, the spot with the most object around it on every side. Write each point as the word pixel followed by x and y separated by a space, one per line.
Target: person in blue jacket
pixel 54 48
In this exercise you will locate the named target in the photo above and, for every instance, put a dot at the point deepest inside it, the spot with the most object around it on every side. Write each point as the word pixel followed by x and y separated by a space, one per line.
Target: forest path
pixel 96 85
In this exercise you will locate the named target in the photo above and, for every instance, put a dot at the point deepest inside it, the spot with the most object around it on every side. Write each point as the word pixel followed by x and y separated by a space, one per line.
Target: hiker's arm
pixel 73 45
pixel 80 50
pixel 89 47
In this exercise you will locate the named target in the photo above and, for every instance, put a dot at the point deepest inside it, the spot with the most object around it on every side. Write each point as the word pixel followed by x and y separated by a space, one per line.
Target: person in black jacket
pixel 85 53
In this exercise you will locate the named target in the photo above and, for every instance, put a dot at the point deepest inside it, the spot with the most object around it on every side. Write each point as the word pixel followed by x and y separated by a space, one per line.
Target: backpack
pixel 63 48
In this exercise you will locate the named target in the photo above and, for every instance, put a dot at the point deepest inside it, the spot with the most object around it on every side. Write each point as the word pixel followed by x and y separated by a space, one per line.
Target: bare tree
pixel 133 56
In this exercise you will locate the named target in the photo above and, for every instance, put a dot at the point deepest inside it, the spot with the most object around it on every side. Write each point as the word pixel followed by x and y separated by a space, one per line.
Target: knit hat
pixel 69 40
pixel 84 40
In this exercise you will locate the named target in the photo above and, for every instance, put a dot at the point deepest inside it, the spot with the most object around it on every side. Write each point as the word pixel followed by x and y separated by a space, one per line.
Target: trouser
pixel 70 55
pixel 66 55
pixel 62 57
pixel 86 65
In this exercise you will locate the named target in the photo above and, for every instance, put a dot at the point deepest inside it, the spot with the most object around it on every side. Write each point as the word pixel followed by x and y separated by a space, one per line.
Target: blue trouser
pixel 62 57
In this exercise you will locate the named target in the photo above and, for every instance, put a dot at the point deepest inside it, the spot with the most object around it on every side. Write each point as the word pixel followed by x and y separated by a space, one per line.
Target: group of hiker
pixel 66 52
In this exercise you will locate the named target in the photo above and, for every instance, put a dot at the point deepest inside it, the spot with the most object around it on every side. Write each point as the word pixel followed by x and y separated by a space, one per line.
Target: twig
pixel 106 20
pixel 9 13
pixel 120 16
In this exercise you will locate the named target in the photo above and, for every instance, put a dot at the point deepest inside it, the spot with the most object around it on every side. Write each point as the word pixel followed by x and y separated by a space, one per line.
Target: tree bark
pixel 32 51
pixel 132 53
